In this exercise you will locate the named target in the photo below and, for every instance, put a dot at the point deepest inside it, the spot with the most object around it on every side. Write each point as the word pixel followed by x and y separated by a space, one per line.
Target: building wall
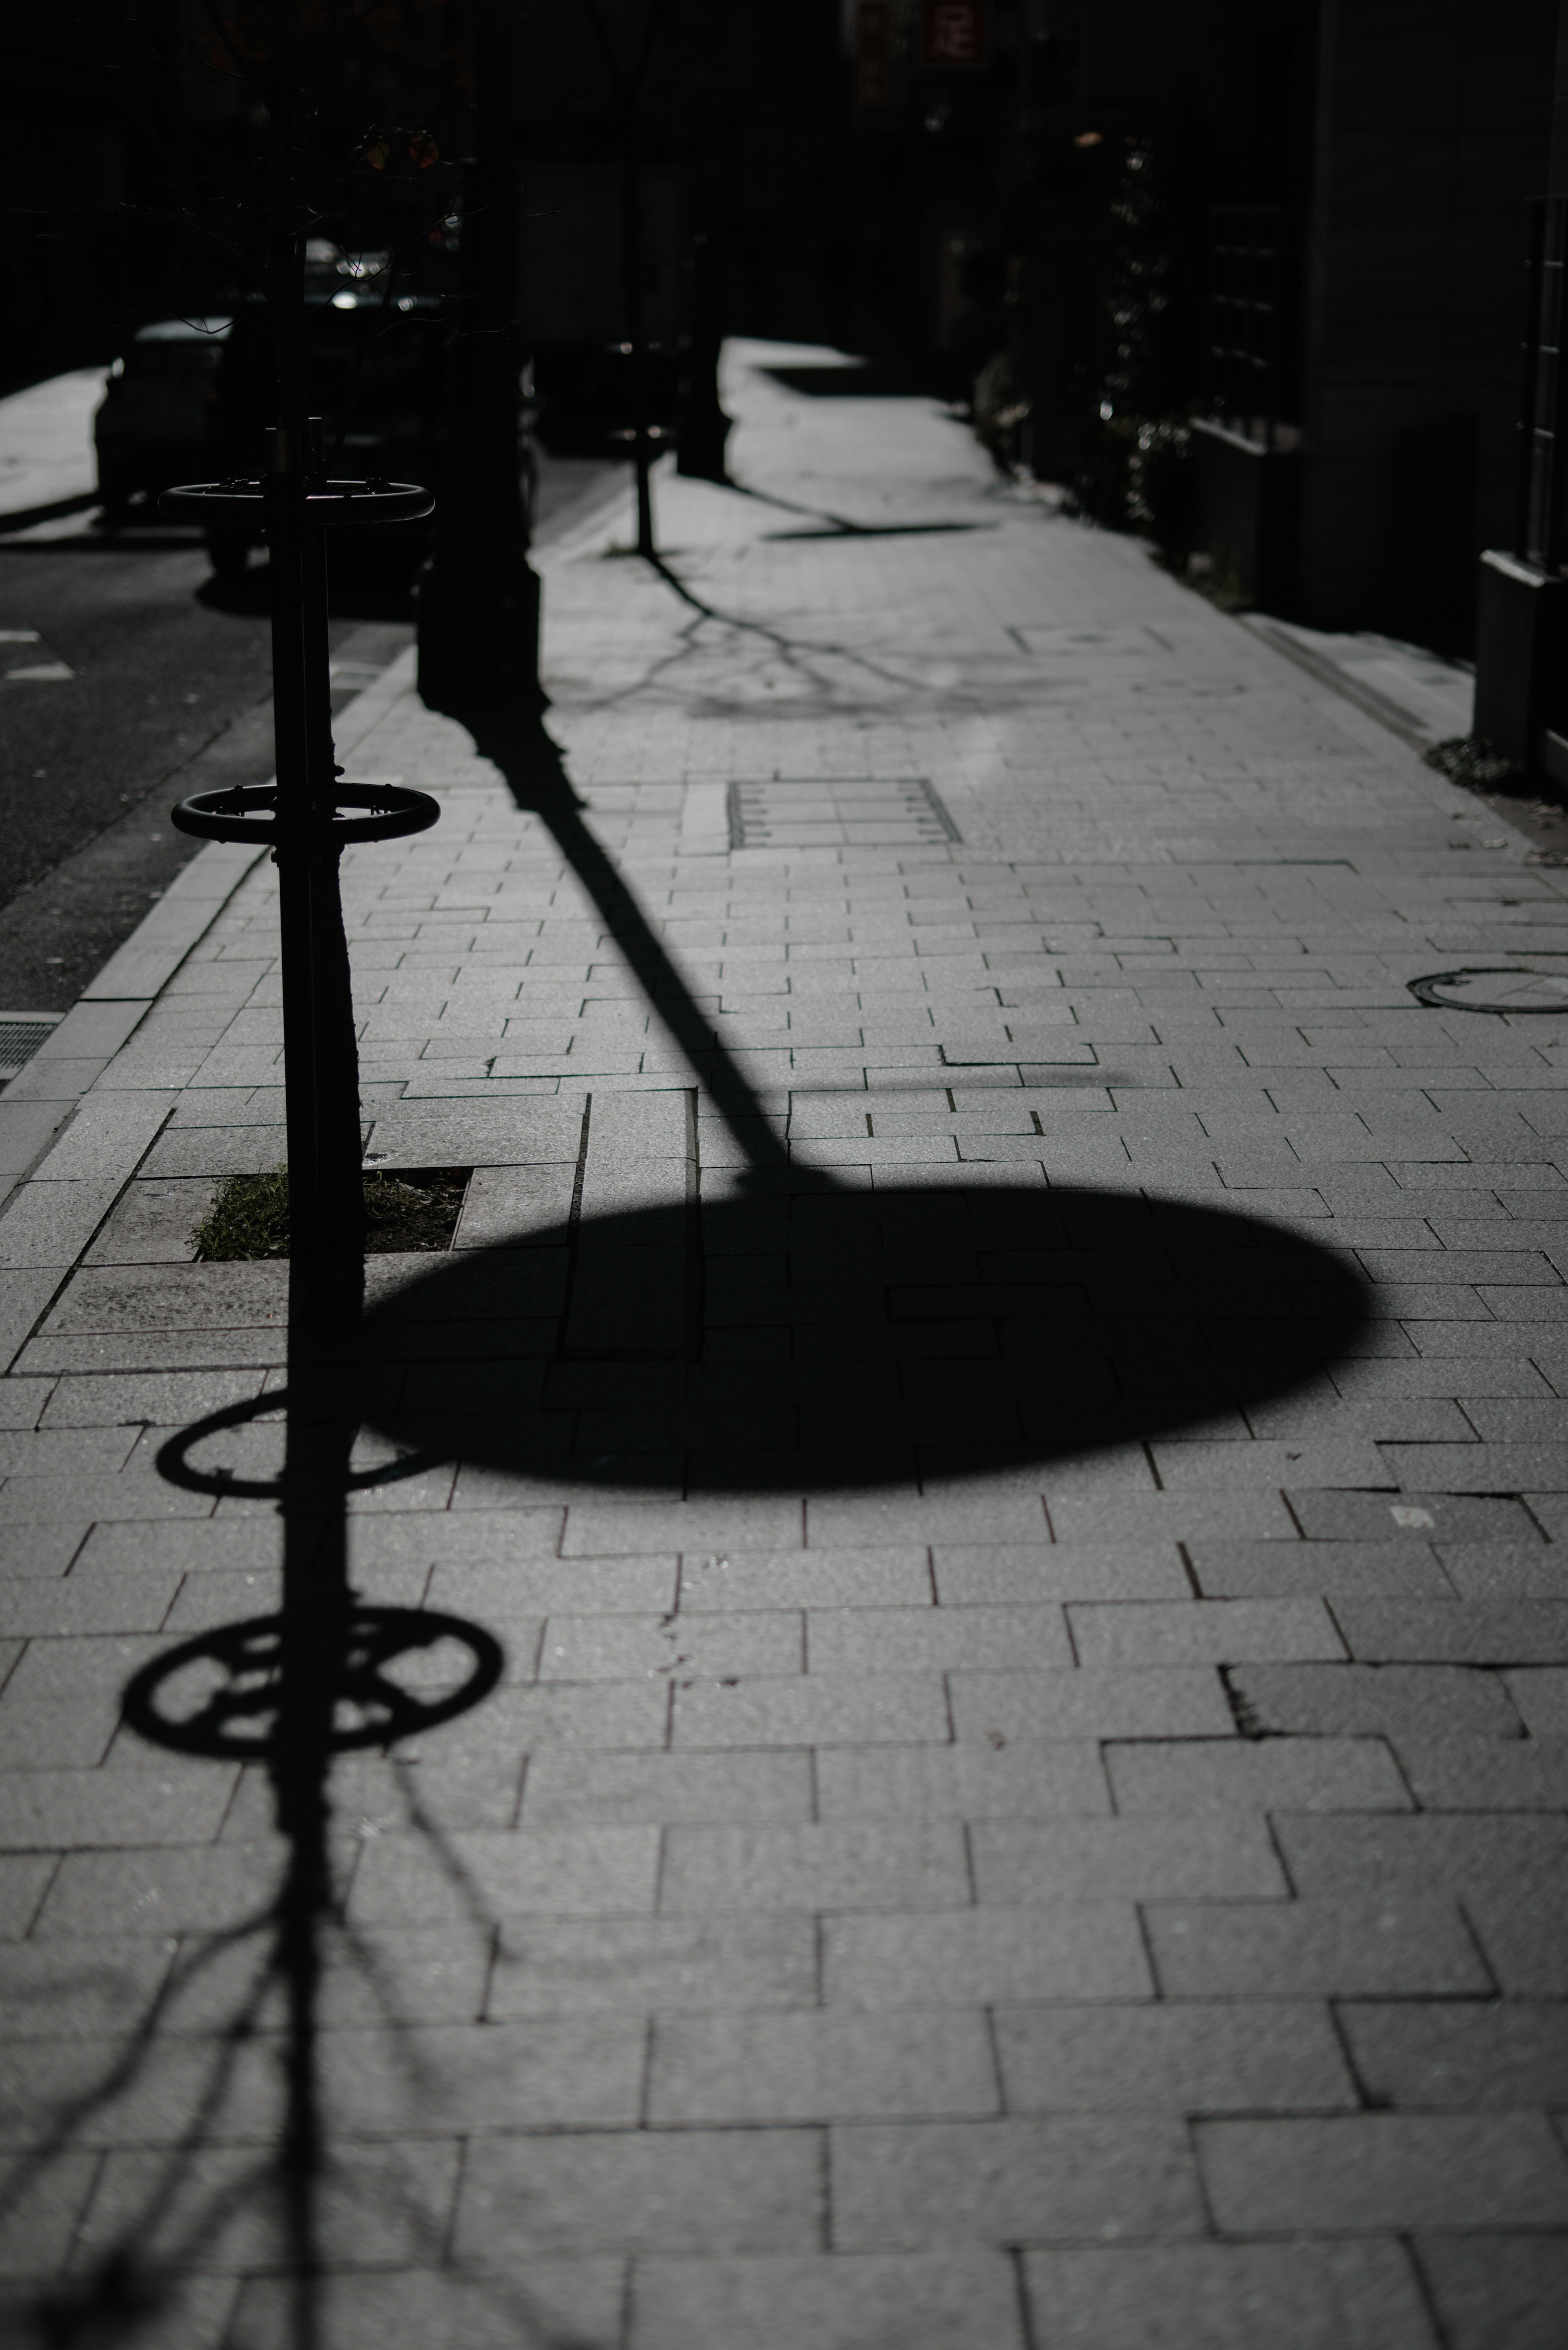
pixel 1433 128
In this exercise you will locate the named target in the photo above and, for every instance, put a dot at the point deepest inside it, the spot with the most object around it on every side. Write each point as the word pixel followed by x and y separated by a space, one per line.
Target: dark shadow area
pixel 822 1338
pixel 880 530
pixel 834 525
pixel 367 582
pixel 26 517
pixel 151 540
pixel 873 380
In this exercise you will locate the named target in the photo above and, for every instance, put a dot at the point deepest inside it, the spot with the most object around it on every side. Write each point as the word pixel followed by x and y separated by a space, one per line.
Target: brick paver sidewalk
pixel 1024 1806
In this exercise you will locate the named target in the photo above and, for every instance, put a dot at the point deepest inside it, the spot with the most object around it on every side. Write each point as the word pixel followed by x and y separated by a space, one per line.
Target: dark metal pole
pixel 479 597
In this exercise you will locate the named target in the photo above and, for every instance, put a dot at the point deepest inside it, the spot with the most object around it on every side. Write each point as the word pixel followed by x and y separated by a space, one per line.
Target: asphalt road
pixel 165 668
pixel 89 762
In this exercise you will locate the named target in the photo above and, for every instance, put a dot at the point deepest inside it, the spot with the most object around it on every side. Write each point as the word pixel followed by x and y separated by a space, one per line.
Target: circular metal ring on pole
pixel 248 813
pixel 220 1694
pixel 1504 990
pixel 332 506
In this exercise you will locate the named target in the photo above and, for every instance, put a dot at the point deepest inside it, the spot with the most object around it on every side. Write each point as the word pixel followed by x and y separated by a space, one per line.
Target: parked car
pixel 151 429
pixel 374 373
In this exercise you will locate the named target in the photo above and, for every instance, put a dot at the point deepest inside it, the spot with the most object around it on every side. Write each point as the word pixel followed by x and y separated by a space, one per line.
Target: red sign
pixel 873 53
pixel 952 33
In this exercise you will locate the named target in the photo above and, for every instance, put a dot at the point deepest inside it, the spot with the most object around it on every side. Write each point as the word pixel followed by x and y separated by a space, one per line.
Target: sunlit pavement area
pixel 998 1388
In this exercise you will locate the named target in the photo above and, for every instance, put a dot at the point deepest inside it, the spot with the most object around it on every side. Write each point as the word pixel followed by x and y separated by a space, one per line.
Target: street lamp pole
pixel 478 596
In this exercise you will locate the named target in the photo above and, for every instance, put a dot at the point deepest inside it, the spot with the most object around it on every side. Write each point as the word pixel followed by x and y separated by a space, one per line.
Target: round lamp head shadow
pixel 808 1340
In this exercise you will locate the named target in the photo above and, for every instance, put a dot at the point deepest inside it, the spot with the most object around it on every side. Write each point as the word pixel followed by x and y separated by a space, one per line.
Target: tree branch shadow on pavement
pixel 327 1674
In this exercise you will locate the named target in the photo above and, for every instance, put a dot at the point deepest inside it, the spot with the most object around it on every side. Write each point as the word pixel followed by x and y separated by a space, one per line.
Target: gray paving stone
pixel 1215 1631
pixel 1019 2180
pixel 1487 1774
pixel 50 1223
pixel 61 1707
pixel 831 1865
pixel 1469 2055
pixel 1541 1696
pixel 1523 1929
pixel 563 2300
pixel 897 1577
pixel 608 1529
pixel 385 2199
pixel 53 1992
pixel 1410 1703
pixel 634 1647
pixel 969 1514
pixel 162 1398
pixel 1022 1573
pixel 563 2071
pixel 1506 1571
pixel 177 1802
pixel 820 1709
pixel 950 2300
pixel 155 2103
pixel 579 1872
pixel 1139 1518
pixel 1293 1774
pixel 1225 1856
pixel 1435 1517
pixel 209 1545
pixel 933 1639
pixel 1177 1701
pixel 1327 2295
pixel 564 1789
pixel 1497 2293
pixel 1188 2056
pixel 607 1714
pixel 1493 1854
pixel 37 2229
pixel 111 1895
pixel 1459 1631
pixel 910 2064
pixel 663 2191
pixel 1371 1944
pixel 1090 1950
pixel 24 1881
pixel 961 1783
pixel 553 1966
pixel 1384 2170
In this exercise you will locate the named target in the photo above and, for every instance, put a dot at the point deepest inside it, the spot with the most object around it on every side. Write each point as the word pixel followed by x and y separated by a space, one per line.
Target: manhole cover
pixel 839 812
pixel 1504 988
pixel 20 1036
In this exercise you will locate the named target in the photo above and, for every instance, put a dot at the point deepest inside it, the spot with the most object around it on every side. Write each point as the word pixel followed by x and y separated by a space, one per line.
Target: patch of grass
pixel 249 1218
pixel 403 1213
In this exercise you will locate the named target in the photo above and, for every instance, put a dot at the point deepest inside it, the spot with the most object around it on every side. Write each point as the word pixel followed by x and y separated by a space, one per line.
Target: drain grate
pixel 839 812
pixel 21 1034
pixel 1502 988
